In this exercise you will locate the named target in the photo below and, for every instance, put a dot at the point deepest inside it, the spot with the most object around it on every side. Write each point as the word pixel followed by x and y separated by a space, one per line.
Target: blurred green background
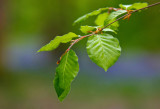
pixel 26 77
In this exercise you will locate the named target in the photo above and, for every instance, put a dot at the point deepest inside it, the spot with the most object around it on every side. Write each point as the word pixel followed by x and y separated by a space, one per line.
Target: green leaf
pixel 109 30
pixel 124 6
pixel 66 71
pixel 85 29
pixel 61 92
pixel 115 14
pixel 113 26
pixel 134 6
pixel 137 6
pixel 113 17
pixel 57 40
pixel 94 13
pixel 103 50
pixel 100 19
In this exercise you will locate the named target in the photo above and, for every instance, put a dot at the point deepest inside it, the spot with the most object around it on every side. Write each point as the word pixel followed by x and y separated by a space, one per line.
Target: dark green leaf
pixel 59 39
pixel 61 92
pixel 66 72
pixel 103 50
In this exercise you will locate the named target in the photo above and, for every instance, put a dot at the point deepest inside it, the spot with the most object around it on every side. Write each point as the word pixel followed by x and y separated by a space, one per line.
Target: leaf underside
pixel 104 50
pixel 65 74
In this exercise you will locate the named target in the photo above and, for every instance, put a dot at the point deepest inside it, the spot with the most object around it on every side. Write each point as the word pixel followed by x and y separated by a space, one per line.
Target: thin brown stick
pixel 82 37
pixel 130 13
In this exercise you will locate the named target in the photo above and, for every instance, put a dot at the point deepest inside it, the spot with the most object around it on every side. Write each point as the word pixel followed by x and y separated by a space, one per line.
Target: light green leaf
pixel 109 30
pixel 113 17
pixel 113 26
pixel 137 6
pixel 100 19
pixel 134 6
pixel 124 6
pixel 115 14
pixel 94 13
pixel 103 50
pixel 66 72
pixel 59 39
pixel 86 28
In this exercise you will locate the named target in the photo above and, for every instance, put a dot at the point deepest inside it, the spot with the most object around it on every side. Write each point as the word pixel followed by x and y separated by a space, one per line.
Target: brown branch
pixel 130 13
pixel 82 37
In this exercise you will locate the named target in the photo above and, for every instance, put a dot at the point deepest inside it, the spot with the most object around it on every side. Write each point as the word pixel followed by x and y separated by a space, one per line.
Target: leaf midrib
pixel 65 66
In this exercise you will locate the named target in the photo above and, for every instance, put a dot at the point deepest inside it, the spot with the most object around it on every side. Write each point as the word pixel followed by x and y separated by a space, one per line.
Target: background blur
pixel 26 77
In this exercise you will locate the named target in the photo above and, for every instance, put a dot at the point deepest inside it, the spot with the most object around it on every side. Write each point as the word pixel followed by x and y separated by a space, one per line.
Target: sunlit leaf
pixel 94 13
pixel 124 6
pixel 134 6
pixel 103 50
pixel 65 74
pixel 137 6
pixel 57 40
pixel 113 17
pixel 100 19
pixel 115 14
pixel 109 30
pixel 86 29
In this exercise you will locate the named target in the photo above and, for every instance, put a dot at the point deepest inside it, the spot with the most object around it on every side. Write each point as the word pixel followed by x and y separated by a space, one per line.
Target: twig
pixel 82 37
pixel 130 13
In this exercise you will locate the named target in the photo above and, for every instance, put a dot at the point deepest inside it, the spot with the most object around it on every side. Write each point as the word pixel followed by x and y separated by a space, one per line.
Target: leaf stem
pixel 82 37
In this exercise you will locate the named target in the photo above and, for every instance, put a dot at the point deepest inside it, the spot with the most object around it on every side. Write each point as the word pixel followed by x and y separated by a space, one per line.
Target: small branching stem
pixel 100 29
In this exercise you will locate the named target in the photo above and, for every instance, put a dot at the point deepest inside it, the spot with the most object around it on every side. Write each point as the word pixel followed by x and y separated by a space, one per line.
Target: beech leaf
pixel 66 72
pixel 57 40
pixel 104 50
pixel 94 13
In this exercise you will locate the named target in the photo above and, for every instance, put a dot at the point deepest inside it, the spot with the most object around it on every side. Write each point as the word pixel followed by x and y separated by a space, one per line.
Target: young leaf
pixel 94 13
pixel 101 18
pixel 114 26
pixel 103 50
pixel 133 6
pixel 109 30
pixel 124 6
pixel 115 14
pixel 86 29
pixel 112 17
pixel 66 72
pixel 59 39
pixel 137 6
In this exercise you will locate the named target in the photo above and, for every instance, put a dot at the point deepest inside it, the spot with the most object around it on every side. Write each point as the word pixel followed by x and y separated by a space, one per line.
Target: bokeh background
pixel 26 78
